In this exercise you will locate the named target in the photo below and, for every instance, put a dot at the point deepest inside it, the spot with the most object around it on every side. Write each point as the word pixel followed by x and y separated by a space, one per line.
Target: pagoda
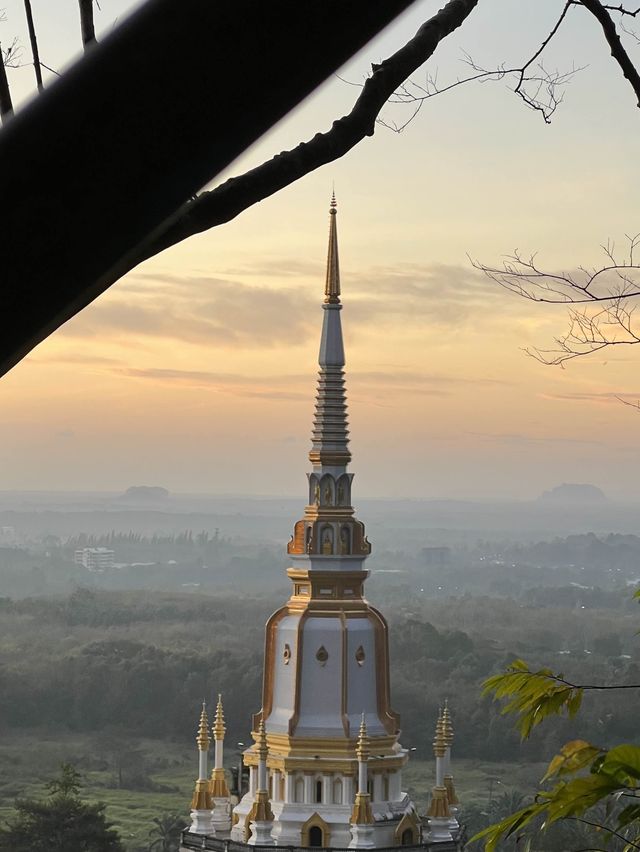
pixel 326 766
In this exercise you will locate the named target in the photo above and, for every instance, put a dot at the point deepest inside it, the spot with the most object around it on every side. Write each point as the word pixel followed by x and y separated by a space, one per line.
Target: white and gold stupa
pixel 326 653
pixel 326 766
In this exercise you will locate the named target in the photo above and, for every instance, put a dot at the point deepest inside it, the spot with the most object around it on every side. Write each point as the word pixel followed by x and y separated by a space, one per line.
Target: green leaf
pixel 573 756
pixel 623 763
pixel 534 695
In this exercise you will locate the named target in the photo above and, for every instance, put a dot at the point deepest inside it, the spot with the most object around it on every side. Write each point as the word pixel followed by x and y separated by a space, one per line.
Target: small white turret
pixel 260 817
pixel 221 799
pixel 438 814
pixel 361 815
pixel 201 801
pixel 452 797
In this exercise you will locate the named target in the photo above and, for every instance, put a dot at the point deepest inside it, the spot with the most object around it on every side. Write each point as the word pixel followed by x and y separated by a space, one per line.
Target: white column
pixel 262 775
pixel 289 787
pixel 253 777
pixel 309 797
pixel 395 786
pixel 377 788
pixel 219 754
pixel 362 776
pixel 347 790
pixel 327 791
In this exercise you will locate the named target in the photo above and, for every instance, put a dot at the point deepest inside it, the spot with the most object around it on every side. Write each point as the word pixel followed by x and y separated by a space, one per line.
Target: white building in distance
pixel 95 558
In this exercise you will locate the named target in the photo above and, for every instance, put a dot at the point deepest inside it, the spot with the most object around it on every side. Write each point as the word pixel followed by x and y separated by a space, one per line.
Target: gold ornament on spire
pixel 203 730
pixel 332 284
pixel 219 729
pixel 439 742
pixel 447 727
pixel 362 746
pixel 261 742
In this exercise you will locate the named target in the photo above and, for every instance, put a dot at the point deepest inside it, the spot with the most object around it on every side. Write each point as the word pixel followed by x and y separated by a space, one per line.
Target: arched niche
pixel 345 539
pixel 327 490
pixel 407 833
pixel 326 540
pixel 322 834
pixel 343 490
pixel 314 490
pixel 337 791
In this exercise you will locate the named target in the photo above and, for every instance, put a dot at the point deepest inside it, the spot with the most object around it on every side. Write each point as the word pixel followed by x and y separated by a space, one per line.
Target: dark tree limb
pixel 34 44
pixel 231 198
pixel 618 52
pixel 87 28
pixel 6 104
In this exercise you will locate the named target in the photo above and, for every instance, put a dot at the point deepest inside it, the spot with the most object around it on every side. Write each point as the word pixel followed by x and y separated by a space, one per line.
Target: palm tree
pixel 165 835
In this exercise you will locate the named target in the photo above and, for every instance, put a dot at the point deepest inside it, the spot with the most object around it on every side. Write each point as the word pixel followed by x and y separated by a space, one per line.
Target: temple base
pixel 362 837
pixel 261 833
pixel 201 823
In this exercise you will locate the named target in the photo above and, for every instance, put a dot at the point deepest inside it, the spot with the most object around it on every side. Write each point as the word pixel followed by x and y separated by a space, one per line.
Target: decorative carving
pixel 316 494
pixel 360 656
pixel 340 494
pixel 286 654
pixel 328 495
pixel 322 655
pixel 327 541
pixel 345 541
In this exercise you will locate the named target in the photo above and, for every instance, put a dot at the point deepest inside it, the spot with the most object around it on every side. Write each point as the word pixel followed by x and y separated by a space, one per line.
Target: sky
pixel 197 371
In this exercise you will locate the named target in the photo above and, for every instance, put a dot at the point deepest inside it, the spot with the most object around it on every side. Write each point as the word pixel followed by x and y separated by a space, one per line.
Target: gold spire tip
pixel 203 730
pixel 218 723
pixel 334 204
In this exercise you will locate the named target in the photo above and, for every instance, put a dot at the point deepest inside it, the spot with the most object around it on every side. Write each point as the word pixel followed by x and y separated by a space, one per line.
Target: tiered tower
pixel 326 656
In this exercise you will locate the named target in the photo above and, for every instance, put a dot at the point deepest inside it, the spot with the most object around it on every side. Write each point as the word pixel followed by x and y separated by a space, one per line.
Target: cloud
pixel 519 438
pixel 198 310
pixel 301 386
pixel 219 311
pixel 602 397
pixel 66 434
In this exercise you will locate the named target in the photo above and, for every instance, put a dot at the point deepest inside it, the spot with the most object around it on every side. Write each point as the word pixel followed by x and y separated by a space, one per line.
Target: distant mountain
pixel 145 494
pixel 573 493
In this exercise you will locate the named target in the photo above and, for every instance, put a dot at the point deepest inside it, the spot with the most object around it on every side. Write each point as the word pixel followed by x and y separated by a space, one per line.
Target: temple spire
pixel 330 433
pixel 332 284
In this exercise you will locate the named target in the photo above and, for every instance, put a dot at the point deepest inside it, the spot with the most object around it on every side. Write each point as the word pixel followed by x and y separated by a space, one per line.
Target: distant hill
pixel 573 493
pixel 145 494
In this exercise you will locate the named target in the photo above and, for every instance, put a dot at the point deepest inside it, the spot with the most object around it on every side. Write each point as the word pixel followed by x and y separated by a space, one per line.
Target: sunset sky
pixel 197 371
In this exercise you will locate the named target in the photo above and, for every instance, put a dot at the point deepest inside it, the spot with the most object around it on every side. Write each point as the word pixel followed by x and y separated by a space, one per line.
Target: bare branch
pixel 6 105
pixel 607 292
pixel 34 43
pixel 87 28
pixel 538 88
pixel 621 9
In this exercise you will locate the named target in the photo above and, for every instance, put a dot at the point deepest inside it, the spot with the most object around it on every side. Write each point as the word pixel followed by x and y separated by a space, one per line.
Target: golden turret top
pixel 203 730
pixel 332 284
pixel 362 746
pixel 439 742
pixel 447 727
pixel 261 742
pixel 218 723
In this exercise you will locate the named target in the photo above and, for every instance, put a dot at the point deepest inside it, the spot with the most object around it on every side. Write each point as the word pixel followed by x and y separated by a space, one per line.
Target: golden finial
pixel 439 744
pixel 261 741
pixel 362 746
pixel 439 807
pixel 203 730
pixel 218 723
pixel 447 727
pixel 332 284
